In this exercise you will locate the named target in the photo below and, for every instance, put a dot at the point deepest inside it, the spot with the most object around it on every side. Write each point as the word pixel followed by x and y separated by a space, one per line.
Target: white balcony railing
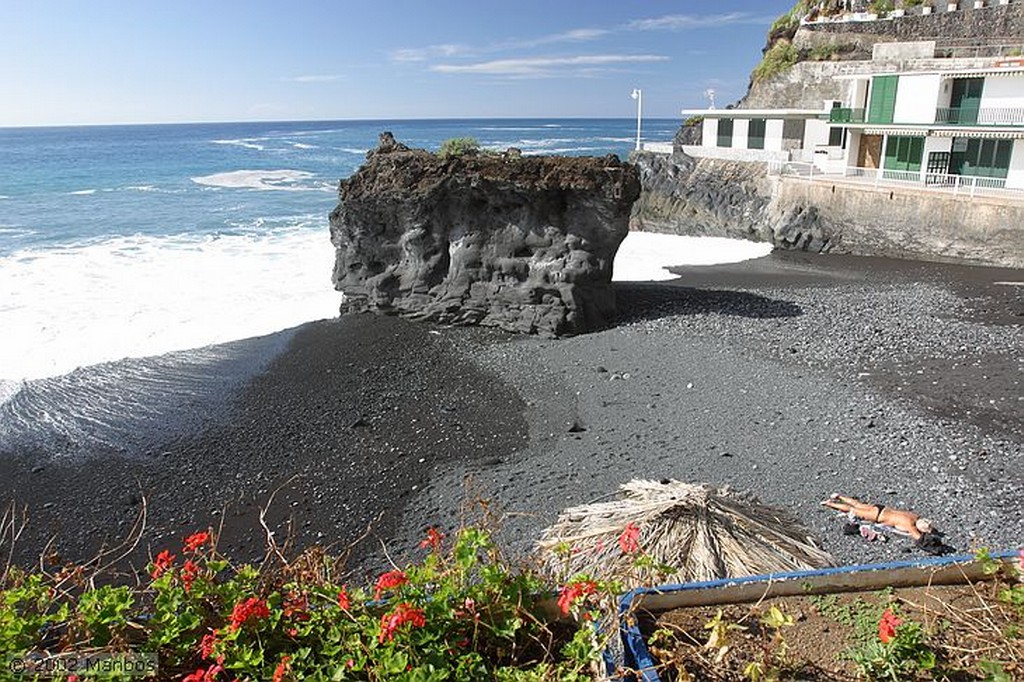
pixel 957 185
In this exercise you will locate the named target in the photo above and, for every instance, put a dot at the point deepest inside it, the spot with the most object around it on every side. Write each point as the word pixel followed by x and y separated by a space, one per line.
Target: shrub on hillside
pixel 458 146
pixel 777 59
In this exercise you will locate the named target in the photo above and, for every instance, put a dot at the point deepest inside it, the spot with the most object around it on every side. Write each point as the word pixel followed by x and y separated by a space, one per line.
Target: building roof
pixel 755 113
pixel 1014 70
pixel 910 130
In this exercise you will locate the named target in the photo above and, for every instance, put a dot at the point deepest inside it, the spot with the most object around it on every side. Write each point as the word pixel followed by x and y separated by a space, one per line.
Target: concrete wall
pixel 683 195
pixel 1015 177
pixel 740 130
pixel 916 98
pixel 773 135
pixel 815 133
pixel 1003 91
pixel 904 224
pixel 709 134
pixel 736 154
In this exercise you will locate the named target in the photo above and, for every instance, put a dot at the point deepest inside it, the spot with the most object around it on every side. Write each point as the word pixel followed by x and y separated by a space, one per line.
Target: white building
pixel 930 126
pixel 760 134
pixel 937 122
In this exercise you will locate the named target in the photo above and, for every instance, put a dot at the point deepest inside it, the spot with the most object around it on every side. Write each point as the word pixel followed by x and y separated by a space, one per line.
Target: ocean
pixel 133 258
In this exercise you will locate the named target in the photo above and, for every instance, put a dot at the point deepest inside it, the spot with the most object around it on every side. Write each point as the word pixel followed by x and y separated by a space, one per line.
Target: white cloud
pixel 576 35
pixel 546 66
pixel 421 54
pixel 681 22
pixel 315 78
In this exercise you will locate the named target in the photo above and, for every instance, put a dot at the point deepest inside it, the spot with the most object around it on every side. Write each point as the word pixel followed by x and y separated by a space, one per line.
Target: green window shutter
pixel 904 153
pixel 883 99
pixel 916 152
pixel 1002 162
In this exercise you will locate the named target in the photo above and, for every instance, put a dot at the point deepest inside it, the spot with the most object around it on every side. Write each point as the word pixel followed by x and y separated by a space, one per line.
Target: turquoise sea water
pixel 132 241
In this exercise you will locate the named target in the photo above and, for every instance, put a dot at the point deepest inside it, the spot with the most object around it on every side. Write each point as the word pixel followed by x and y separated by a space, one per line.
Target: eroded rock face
pixel 521 243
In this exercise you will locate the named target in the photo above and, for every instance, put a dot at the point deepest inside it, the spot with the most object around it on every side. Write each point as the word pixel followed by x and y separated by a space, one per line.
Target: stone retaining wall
pixel 711 197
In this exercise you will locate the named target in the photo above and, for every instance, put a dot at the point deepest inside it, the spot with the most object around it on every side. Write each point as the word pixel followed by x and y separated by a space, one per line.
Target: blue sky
pixel 105 61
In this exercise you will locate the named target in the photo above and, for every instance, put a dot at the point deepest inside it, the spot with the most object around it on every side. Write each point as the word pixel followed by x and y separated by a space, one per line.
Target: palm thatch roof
pixel 697 532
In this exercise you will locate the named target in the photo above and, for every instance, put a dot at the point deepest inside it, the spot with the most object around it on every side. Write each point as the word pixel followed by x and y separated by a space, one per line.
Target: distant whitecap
pixel 245 143
pixel 266 180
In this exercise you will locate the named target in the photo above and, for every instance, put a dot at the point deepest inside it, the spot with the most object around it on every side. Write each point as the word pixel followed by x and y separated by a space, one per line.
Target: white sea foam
pixel 247 143
pixel 266 180
pixel 302 145
pixel 352 150
pixel 560 150
pixel 83 192
pixel 644 256
pixel 138 296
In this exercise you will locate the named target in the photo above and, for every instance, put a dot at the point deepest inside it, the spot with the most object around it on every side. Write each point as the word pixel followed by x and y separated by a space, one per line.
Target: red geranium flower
pixel 887 626
pixel 196 540
pixel 629 539
pixel 248 610
pixel 201 675
pixel 188 573
pixel 162 562
pixel 281 668
pixel 389 581
pixel 207 644
pixel 403 613
pixel 433 539
pixel 570 593
pixel 343 601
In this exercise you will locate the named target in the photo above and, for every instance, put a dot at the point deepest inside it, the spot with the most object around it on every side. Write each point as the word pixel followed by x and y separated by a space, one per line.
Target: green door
pixel 965 100
pixel 883 99
pixel 904 153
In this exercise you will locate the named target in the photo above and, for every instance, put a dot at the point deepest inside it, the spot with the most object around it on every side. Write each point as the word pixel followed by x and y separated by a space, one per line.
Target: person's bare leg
pixel 838 506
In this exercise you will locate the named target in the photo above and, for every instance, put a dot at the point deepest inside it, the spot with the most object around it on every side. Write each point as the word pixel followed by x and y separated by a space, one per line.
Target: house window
pixel 755 133
pixel 964 101
pixel 883 99
pixel 725 132
pixel 904 153
pixel 981 158
pixel 837 137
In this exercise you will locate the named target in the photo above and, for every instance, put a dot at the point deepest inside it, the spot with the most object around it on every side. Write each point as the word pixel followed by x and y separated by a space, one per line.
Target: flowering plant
pixel 461 613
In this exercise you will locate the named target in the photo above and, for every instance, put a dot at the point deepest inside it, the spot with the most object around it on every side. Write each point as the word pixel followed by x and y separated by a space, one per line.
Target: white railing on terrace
pixel 966 49
pixel 657 147
pixel 957 185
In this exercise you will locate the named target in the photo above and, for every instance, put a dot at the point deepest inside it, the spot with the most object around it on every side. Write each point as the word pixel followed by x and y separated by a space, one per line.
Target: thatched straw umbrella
pixel 696 531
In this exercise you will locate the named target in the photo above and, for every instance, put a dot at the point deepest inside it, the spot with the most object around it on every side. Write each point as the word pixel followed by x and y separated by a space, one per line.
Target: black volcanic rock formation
pixel 521 243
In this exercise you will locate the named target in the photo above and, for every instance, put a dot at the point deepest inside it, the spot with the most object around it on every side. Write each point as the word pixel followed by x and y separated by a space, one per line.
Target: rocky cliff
pixel 525 244
pixel 711 197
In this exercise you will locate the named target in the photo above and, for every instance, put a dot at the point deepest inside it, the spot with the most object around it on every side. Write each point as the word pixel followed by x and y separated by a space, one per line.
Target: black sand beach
pixel 793 376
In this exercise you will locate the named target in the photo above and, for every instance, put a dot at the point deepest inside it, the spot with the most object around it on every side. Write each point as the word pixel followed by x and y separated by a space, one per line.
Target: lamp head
pixel 635 94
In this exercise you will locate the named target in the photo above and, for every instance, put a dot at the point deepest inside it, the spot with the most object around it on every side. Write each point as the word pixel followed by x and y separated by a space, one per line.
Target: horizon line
pixel 334 120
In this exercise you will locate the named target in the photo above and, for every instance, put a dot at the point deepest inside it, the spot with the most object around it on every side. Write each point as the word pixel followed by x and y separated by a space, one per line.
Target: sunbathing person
pixel 904 521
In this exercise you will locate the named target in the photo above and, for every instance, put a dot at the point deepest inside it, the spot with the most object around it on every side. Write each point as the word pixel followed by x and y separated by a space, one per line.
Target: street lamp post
pixel 638 95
